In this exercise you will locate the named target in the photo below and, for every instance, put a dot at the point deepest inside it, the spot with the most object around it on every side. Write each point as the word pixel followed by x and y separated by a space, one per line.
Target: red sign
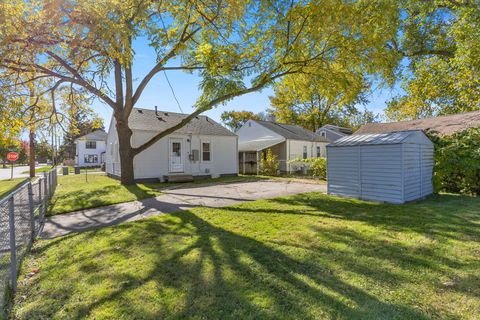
pixel 12 156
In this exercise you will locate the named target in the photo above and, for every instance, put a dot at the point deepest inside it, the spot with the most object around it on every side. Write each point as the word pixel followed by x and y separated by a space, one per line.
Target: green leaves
pixel 457 162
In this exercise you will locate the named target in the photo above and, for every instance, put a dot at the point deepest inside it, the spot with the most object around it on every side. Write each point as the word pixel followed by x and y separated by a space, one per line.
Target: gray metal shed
pixel 390 167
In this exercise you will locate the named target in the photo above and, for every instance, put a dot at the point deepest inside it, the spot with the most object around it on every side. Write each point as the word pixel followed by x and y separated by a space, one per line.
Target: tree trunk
pixel 126 153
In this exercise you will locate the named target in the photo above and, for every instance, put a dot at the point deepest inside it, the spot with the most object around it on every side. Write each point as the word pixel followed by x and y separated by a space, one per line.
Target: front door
pixel 176 155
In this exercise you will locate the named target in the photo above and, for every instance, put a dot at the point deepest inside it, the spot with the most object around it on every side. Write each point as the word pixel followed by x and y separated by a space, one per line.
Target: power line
pixel 173 91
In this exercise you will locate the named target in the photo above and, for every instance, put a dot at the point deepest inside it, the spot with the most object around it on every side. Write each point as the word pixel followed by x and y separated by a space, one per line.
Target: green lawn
pixel 308 256
pixel 39 170
pixel 8 185
pixel 76 192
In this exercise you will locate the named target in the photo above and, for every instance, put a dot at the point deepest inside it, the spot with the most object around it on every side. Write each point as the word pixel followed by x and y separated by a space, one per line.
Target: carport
pixel 249 153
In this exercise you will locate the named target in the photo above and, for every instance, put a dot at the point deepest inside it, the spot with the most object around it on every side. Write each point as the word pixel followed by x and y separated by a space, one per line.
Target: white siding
pixel 81 151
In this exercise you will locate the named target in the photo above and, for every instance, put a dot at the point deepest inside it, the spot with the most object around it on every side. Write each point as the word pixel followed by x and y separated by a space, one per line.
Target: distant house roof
pixel 146 119
pixel 98 135
pixel 293 132
pixel 341 130
pixel 444 125
pixel 373 139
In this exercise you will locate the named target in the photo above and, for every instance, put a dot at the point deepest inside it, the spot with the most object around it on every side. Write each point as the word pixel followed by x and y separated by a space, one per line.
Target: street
pixel 5 173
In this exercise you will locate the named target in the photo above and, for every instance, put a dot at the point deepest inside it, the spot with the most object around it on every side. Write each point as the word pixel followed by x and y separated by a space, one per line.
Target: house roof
pixel 146 119
pixel 444 125
pixel 341 130
pixel 293 132
pixel 372 139
pixel 98 135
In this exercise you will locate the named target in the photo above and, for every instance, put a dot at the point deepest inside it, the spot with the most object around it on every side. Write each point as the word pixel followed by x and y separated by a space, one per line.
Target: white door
pixel 176 155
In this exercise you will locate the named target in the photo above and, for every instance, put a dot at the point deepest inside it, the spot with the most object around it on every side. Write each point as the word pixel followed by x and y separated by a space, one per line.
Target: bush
pixel 317 167
pixel 457 162
pixel 268 163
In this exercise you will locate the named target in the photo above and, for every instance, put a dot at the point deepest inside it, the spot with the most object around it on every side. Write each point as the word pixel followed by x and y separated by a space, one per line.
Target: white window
pixel 90 158
pixel 322 133
pixel 319 152
pixel 206 152
pixel 305 156
pixel 91 145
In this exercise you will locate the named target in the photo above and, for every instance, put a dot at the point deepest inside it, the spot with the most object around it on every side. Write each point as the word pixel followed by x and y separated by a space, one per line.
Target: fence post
pixel 13 247
pixel 30 204
pixel 45 181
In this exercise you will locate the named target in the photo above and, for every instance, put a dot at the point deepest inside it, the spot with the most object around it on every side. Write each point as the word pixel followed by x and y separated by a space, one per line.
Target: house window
pixel 90 158
pixel 323 133
pixel 305 152
pixel 206 151
pixel 91 145
pixel 319 151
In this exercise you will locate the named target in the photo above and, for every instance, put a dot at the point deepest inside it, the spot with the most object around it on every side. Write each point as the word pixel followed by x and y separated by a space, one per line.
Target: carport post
pixel 243 162
pixel 258 164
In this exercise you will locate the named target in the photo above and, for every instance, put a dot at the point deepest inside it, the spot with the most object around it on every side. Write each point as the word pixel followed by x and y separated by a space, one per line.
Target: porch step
pixel 178 178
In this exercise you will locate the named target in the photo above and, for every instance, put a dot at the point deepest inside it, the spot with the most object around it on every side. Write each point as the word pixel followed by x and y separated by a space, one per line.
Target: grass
pixel 9 185
pixel 307 256
pixel 74 192
pixel 39 170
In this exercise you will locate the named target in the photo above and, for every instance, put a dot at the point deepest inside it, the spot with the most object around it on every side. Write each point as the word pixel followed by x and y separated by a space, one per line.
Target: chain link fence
pixel 22 214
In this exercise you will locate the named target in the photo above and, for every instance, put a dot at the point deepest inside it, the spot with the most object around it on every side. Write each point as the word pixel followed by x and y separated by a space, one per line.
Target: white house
pixel 333 133
pixel 90 149
pixel 202 148
pixel 287 142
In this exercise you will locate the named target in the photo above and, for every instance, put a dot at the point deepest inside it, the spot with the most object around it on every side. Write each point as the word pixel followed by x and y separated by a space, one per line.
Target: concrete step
pixel 178 178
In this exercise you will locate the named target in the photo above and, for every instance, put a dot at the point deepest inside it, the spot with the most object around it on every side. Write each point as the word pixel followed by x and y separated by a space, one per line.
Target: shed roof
pixel 146 119
pixel 97 135
pixel 374 139
pixel 444 125
pixel 293 132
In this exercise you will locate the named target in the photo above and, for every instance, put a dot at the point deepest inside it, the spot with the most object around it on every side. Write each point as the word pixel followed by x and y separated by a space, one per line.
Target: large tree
pixel 438 40
pixel 236 47
pixel 235 119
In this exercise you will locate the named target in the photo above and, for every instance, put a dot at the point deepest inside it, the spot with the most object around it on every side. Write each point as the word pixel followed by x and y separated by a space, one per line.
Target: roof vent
pixel 166 114
pixel 156 111
pixel 160 119
pixel 140 110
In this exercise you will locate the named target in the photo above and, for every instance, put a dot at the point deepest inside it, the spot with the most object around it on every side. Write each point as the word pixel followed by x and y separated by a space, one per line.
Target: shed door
pixel 176 155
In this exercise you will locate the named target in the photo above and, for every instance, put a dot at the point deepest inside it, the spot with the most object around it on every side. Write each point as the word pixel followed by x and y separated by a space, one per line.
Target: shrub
pixel 317 167
pixel 268 163
pixel 457 162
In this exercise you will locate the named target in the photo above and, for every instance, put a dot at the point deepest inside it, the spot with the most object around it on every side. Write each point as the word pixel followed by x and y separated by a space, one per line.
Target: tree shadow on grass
pixel 191 268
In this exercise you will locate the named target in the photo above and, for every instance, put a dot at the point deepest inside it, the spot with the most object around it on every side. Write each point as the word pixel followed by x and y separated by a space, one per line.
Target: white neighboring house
pixel 202 148
pixel 333 133
pixel 90 149
pixel 287 142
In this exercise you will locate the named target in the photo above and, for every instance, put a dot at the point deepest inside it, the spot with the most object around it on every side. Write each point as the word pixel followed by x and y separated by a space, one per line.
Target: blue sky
pixel 185 85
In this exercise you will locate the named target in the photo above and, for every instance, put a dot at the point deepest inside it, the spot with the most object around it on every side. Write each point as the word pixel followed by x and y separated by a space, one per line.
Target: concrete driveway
pixel 174 199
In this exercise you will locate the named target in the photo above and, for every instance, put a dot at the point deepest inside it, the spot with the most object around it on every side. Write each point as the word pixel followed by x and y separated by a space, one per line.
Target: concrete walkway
pixel 174 199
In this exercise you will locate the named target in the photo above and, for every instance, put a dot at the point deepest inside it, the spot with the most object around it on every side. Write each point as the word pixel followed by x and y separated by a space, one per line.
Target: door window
pixel 176 149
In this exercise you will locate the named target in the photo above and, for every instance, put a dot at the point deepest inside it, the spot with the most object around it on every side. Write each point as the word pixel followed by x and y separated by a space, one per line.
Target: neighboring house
pixel 202 148
pixel 332 132
pixel 287 142
pixel 90 149
pixel 444 125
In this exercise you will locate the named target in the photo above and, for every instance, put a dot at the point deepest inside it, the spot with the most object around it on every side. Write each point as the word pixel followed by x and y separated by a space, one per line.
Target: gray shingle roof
pixel 293 132
pixel 371 139
pixel 98 135
pixel 146 119
pixel 444 125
